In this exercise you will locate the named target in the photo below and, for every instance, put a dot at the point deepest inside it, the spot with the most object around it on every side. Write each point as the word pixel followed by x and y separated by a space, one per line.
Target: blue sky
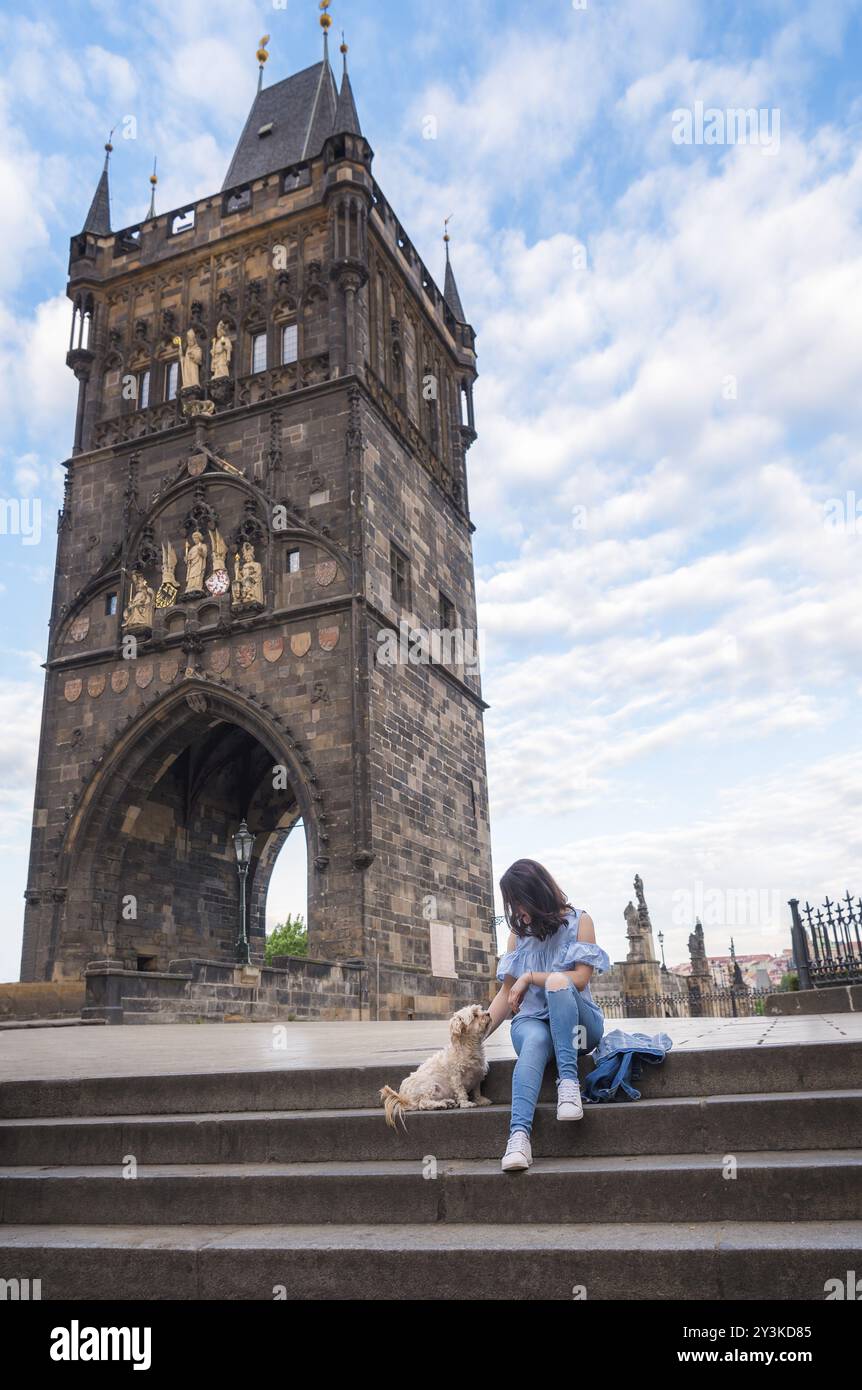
pixel 671 363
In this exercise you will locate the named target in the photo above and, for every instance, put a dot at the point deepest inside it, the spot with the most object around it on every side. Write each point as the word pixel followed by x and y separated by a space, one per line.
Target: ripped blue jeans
pixel 574 1024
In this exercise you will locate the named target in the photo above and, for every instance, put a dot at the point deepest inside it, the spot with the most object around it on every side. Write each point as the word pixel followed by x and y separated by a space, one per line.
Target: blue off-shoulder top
pixel 561 951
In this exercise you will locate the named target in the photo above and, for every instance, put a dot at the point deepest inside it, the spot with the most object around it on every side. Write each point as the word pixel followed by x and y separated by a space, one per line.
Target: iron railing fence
pixel 712 1003
pixel 827 942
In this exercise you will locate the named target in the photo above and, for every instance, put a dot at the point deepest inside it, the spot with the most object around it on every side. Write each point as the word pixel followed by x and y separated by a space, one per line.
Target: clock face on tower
pixel 219 582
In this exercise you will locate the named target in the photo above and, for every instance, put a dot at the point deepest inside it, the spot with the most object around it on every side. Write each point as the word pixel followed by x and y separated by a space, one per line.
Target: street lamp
pixel 243 843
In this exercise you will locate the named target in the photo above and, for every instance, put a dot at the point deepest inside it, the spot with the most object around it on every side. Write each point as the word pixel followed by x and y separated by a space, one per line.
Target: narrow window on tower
pixel 289 343
pixel 110 605
pixel 258 352
pixel 448 616
pixel 399 577
pixel 171 380
pixel 293 562
pixel 143 390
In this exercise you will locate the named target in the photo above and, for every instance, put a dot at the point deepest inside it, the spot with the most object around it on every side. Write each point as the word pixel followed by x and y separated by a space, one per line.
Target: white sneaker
pixel 569 1105
pixel 518 1153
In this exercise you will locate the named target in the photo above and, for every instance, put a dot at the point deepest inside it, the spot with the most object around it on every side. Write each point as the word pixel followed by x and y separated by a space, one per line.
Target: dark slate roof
pixel 451 295
pixel 346 115
pixel 301 110
pixel 99 217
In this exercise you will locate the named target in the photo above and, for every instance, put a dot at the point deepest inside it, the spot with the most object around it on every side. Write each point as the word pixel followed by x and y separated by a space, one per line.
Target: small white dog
pixel 450 1078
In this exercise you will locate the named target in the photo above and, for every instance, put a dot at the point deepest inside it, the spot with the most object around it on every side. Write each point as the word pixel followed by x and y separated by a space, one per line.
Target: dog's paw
pixel 468 1105
pixel 483 1100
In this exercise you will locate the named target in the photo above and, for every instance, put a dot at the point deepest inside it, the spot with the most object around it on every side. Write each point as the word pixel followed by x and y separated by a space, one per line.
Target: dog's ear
pixel 456 1026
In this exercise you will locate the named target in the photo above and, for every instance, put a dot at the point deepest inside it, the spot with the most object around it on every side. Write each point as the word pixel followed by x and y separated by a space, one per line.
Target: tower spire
pixel 154 179
pixel 450 288
pixel 346 115
pixel 99 217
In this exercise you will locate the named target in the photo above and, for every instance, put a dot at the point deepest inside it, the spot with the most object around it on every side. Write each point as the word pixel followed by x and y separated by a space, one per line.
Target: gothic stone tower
pixel 268 479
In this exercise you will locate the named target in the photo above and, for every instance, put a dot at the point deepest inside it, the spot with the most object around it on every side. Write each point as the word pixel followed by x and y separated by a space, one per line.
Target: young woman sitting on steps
pixel 545 974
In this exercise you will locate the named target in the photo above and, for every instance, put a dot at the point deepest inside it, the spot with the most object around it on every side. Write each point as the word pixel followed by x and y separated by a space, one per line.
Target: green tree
pixel 288 939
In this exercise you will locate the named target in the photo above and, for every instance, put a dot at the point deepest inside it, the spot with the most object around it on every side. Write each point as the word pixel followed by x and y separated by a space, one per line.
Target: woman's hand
pixel 517 992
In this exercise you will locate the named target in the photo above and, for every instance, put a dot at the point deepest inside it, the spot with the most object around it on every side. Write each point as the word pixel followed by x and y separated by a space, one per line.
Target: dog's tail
pixel 394 1105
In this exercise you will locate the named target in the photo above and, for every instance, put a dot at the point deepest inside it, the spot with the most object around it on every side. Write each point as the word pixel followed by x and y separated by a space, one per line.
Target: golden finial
pixel 262 57
pixel 154 178
pixel 446 236
pixel 325 19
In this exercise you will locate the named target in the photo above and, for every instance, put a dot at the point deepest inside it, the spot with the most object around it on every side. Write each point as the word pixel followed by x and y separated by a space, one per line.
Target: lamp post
pixel 243 843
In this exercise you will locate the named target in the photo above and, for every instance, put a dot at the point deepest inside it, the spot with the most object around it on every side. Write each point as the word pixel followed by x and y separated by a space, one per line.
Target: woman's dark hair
pixel 528 887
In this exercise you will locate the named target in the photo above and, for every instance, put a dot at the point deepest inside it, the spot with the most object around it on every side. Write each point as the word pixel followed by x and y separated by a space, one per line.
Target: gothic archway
pixel 148 864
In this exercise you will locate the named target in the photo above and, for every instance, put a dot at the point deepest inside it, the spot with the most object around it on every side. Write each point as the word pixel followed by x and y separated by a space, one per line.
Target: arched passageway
pixel 149 856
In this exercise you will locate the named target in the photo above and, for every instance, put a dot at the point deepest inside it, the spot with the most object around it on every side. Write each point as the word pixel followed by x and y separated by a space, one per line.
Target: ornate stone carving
pixel 148 554
pixel 247 587
pixel 222 352
pixel 218 582
pixel 167 595
pixel 138 613
pixel 196 564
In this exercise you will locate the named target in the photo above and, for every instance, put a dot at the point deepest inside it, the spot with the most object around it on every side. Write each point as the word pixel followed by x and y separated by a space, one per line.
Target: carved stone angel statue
pixel 219 580
pixel 222 352
pixel 166 597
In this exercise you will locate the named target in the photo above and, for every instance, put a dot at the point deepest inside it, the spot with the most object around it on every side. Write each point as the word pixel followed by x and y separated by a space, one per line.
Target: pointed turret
pixel 450 289
pixel 99 217
pixel 346 115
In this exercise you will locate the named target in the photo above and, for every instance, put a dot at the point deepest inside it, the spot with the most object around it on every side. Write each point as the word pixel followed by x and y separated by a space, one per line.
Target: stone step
pixel 688 1261
pixel 708 1072
pixel 816 1185
pixel 725 1124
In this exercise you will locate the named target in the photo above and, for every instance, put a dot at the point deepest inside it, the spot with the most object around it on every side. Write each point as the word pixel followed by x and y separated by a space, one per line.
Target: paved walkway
pixel 187 1049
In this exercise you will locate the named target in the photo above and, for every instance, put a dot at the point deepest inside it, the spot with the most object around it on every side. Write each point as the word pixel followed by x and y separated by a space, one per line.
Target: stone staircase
pixel 250 1182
